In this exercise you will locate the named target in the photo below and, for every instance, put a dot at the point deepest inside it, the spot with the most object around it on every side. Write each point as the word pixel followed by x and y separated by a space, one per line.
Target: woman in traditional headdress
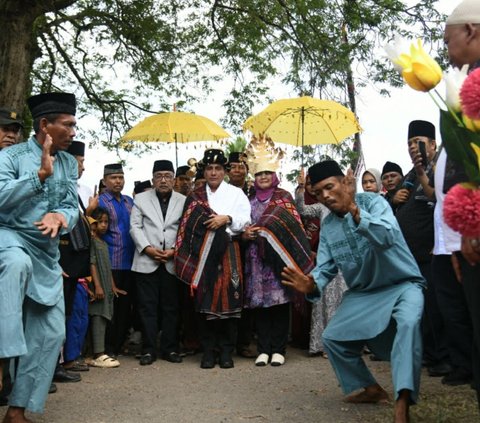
pixel 275 239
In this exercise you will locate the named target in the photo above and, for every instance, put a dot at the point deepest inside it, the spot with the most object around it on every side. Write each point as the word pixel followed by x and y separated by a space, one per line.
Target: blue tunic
pixel 25 200
pixel 29 266
pixel 375 262
pixel 383 305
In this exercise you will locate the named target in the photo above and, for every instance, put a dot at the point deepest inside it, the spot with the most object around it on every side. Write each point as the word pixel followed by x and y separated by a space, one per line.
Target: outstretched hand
pixel 51 224
pixel 298 280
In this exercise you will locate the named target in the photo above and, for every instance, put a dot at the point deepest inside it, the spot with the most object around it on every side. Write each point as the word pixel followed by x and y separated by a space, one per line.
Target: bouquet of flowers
pixel 459 126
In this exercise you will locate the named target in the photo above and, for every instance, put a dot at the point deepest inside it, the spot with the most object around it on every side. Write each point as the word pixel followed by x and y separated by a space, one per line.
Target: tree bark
pixel 18 46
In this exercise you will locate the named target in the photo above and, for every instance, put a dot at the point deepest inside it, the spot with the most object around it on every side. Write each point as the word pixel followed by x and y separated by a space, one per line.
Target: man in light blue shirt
pixel 38 201
pixel 383 305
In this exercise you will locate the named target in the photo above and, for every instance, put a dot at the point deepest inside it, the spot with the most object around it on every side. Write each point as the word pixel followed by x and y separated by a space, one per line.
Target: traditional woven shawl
pixel 282 228
pixel 208 260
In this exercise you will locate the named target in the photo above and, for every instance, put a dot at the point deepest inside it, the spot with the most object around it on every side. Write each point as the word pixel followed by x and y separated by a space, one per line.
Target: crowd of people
pixel 215 262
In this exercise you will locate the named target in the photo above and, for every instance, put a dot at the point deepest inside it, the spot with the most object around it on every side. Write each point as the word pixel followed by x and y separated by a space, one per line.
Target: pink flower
pixel 470 95
pixel 461 210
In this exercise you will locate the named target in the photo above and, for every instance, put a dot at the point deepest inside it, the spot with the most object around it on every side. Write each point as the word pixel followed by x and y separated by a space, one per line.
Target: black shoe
pixel 146 359
pixel 226 361
pixel 77 367
pixel 172 357
pixel 208 361
pixel 440 369
pixel 457 377
pixel 3 401
pixel 52 389
pixel 62 376
pixel 374 357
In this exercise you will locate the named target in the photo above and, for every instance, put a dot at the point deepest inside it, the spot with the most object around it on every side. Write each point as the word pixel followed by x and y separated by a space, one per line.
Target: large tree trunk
pixel 17 52
pixel 18 46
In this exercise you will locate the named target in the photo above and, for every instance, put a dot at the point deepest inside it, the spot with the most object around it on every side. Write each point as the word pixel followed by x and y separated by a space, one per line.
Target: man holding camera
pixel 415 217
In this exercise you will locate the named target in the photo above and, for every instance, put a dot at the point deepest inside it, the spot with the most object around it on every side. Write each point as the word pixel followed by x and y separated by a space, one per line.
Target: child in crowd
pixel 101 305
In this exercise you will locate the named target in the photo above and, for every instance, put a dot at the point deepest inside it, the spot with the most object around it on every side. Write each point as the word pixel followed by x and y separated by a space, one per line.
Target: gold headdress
pixel 193 164
pixel 262 155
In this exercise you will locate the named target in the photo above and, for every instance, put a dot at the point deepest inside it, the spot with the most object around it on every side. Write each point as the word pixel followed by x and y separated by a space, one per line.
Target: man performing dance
pixel 384 303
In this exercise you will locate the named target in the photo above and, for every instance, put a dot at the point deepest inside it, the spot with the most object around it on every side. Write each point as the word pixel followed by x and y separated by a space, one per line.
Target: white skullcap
pixel 468 11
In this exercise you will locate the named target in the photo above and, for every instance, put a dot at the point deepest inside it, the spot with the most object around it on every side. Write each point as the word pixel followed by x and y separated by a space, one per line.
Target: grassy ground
pixel 441 404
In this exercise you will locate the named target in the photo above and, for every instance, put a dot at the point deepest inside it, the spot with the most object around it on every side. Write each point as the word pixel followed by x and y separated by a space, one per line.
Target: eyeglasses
pixel 163 177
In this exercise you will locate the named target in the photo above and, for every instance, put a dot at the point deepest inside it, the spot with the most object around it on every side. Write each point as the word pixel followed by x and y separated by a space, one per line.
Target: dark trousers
pixel 433 328
pixel 244 329
pixel 217 334
pixel 471 286
pixel 69 292
pixel 158 293
pixel 453 306
pixel 122 319
pixel 272 326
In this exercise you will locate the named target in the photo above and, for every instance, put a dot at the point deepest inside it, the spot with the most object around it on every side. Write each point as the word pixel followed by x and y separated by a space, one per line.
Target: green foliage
pixel 125 57
pixel 236 146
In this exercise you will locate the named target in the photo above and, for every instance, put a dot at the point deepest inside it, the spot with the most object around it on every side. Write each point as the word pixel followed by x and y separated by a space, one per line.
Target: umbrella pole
pixel 176 152
pixel 302 116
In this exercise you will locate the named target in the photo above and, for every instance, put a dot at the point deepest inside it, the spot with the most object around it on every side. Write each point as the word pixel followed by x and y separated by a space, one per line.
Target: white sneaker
pixel 277 359
pixel 262 360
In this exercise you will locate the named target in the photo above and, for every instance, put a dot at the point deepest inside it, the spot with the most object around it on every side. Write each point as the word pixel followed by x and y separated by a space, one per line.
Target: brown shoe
pixel 246 352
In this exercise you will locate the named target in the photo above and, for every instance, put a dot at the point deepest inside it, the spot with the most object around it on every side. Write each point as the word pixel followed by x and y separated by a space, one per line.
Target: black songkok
pixel 182 171
pixel 199 174
pixel 141 186
pixel 163 166
pixel 421 128
pixel 391 167
pixel 51 103
pixel 77 148
pixel 323 170
pixel 112 169
pixel 237 157
pixel 214 156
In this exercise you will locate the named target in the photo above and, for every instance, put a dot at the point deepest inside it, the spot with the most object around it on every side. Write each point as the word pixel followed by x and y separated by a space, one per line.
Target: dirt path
pixel 303 390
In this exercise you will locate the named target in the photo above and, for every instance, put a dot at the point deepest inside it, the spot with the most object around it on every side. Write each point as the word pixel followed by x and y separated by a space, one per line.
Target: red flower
pixel 470 95
pixel 461 210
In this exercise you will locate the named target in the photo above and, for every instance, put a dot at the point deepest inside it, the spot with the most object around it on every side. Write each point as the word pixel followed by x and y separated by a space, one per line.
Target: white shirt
pixel 231 201
pixel 446 239
pixel 84 193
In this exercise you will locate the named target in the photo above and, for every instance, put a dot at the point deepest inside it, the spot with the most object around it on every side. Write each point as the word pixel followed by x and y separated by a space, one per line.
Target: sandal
pixel 104 361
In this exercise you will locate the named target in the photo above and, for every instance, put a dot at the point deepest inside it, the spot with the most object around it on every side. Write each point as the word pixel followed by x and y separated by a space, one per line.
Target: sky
pixel 384 121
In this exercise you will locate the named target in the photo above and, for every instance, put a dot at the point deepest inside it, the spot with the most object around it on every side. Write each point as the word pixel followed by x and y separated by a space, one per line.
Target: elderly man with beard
pixel 384 303
pixel 462 38
pixel 38 201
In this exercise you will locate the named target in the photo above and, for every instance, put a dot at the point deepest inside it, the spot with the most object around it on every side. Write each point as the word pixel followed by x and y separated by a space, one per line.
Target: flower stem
pixel 454 115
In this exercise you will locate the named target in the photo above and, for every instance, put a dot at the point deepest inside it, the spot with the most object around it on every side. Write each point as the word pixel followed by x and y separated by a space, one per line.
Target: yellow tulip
pixel 419 70
pixel 471 124
pixel 476 149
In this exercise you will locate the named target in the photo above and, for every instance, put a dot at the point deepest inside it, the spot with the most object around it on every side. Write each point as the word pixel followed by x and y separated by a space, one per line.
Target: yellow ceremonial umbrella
pixel 177 127
pixel 304 121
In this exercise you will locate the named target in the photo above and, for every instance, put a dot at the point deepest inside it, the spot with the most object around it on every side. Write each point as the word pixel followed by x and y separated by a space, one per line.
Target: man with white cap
pixel 462 37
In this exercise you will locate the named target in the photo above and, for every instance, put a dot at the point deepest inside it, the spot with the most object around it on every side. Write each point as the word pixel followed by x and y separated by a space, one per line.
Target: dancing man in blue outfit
pixel 38 201
pixel 382 307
